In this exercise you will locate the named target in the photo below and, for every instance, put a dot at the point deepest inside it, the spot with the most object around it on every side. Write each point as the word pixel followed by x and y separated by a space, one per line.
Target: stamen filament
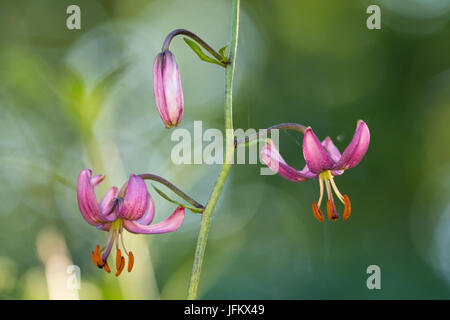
pixel 110 244
pixel 123 243
pixel 328 187
pixel 321 192
pixel 110 234
pixel 336 190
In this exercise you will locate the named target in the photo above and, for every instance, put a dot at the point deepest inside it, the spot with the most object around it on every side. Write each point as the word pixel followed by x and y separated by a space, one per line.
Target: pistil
pixel 331 207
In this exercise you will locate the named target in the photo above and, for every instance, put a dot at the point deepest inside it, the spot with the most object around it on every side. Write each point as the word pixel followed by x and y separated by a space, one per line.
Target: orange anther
pixel 348 207
pixel 130 261
pixel 106 267
pixel 122 265
pixel 118 259
pixel 97 250
pixel 317 213
pixel 331 214
pixel 94 258
pixel 98 257
pixel 329 209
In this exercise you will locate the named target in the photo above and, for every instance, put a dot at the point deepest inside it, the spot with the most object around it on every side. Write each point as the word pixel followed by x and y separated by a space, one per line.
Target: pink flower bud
pixel 167 89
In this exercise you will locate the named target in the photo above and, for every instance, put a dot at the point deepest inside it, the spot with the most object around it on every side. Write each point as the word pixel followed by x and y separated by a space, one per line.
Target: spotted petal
pixel 273 159
pixel 316 156
pixel 149 214
pixel 172 223
pixel 356 149
pixel 135 201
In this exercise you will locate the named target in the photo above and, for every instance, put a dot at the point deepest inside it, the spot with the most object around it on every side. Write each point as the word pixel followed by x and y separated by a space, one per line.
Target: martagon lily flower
pixel 131 208
pixel 323 162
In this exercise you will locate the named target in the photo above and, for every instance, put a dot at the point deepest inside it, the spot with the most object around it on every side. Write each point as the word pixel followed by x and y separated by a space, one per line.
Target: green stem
pixel 229 154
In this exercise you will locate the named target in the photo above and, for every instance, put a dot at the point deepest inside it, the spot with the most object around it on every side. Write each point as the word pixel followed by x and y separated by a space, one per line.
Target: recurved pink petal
pixel 95 180
pixel 87 201
pixel 148 216
pixel 332 149
pixel 316 156
pixel 135 201
pixel 273 159
pixel 172 223
pixel 356 149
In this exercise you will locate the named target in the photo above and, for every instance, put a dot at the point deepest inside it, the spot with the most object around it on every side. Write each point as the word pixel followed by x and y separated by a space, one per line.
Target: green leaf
pixel 165 196
pixel 196 48
pixel 223 53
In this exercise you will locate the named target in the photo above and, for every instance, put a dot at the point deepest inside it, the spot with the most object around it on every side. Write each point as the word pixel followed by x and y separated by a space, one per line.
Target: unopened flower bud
pixel 167 89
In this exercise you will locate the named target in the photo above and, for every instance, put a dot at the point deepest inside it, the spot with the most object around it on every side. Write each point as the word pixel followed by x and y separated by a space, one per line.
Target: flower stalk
pixel 282 126
pixel 168 184
pixel 197 39
pixel 229 154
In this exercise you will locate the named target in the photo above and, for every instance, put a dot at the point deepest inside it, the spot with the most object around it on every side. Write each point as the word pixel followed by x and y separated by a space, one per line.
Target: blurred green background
pixel 75 99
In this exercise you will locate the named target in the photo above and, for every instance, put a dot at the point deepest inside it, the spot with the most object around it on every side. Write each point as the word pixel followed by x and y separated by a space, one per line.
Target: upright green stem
pixel 228 159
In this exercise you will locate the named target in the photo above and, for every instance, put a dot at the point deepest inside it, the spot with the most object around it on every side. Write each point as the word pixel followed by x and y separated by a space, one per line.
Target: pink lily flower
pixel 323 162
pixel 167 89
pixel 132 209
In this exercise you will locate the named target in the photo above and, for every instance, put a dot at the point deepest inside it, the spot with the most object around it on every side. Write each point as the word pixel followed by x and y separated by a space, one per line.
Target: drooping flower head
pixel 131 208
pixel 167 89
pixel 323 162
